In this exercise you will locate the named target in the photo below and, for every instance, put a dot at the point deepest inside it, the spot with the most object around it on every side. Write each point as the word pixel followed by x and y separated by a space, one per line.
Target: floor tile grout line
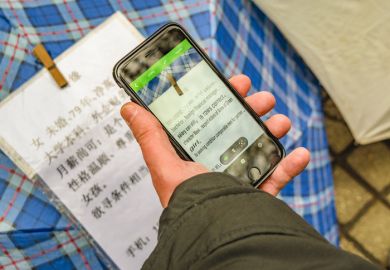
pixel 386 189
pixel 342 155
pixel 359 246
pixel 366 207
pixel 340 159
pixel 363 182
pixel 346 151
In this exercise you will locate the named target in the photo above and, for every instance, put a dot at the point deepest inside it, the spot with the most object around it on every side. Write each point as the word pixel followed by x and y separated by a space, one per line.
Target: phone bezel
pixel 134 97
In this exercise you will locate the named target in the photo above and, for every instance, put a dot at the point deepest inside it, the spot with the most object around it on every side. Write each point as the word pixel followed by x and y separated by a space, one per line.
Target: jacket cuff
pixel 199 188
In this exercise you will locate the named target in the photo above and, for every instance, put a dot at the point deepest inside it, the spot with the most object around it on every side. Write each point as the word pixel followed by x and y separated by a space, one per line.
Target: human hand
pixel 168 170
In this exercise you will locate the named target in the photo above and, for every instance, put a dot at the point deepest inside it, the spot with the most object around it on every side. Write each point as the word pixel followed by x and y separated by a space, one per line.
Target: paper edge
pixel 17 159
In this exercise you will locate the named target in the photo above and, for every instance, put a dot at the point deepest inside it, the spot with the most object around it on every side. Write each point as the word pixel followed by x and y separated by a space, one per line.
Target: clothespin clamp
pixel 173 81
pixel 43 56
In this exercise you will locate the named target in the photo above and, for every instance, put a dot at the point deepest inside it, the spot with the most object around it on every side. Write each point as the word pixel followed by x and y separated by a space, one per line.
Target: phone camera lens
pixel 254 173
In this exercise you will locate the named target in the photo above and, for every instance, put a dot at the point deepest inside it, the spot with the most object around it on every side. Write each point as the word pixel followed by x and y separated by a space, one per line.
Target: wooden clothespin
pixel 173 81
pixel 42 55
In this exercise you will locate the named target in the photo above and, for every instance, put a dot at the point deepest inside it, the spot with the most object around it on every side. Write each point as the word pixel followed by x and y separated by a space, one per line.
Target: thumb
pixel 156 148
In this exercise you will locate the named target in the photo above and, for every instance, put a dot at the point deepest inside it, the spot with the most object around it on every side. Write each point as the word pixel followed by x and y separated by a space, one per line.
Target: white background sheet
pixel 75 139
pixel 347 45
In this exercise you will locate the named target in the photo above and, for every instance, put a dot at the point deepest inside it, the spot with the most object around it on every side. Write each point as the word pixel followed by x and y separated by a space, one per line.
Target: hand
pixel 168 170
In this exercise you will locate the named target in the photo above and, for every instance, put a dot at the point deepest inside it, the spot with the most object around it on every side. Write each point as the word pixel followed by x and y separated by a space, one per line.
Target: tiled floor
pixel 362 188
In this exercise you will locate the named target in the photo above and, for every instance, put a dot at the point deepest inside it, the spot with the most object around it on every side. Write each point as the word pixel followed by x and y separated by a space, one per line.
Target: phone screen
pixel 202 113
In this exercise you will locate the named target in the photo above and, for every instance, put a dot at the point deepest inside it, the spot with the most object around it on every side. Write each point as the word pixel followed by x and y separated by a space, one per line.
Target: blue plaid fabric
pixel 237 36
pixel 177 69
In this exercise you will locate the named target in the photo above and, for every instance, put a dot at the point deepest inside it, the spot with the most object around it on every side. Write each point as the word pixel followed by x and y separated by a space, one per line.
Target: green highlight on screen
pixel 160 65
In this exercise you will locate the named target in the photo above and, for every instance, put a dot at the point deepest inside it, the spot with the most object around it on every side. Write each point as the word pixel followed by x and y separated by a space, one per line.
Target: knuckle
pixel 147 133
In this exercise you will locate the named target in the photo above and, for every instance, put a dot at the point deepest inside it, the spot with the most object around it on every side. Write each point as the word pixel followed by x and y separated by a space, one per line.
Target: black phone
pixel 206 120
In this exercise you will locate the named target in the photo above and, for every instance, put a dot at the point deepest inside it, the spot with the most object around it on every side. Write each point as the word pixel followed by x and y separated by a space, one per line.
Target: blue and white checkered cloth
pixel 237 36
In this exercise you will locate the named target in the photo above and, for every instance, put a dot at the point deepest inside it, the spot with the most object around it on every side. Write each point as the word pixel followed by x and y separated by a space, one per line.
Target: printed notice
pixel 76 141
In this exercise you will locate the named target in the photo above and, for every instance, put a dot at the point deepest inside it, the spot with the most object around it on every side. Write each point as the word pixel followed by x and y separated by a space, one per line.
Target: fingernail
pixel 128 111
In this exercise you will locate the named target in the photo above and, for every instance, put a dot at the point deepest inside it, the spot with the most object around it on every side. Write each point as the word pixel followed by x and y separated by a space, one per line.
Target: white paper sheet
pixel 76 141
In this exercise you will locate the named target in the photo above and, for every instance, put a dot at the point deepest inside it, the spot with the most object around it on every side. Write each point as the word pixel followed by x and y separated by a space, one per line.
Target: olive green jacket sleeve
pixel 213 221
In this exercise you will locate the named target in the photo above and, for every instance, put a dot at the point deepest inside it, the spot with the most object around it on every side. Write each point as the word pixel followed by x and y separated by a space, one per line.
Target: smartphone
pixel 206 120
